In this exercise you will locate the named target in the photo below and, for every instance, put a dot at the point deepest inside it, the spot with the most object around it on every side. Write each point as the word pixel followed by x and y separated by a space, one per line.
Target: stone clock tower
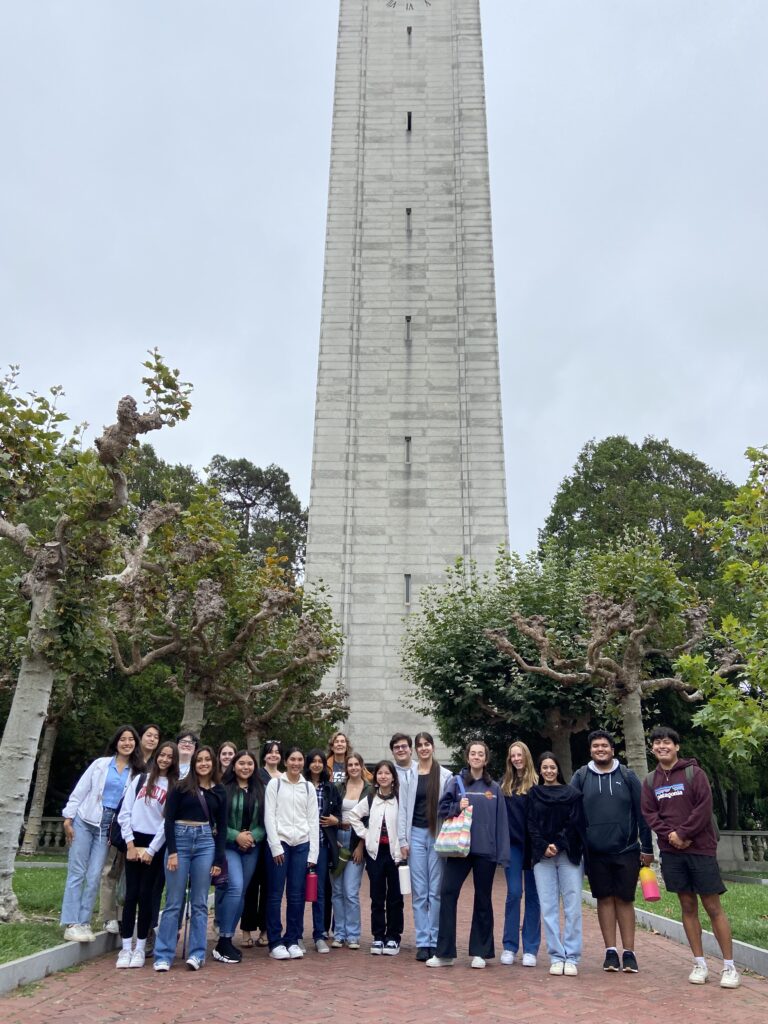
pixel 408 462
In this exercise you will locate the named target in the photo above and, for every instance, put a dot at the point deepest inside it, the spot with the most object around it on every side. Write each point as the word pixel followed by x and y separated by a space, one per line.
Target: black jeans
pixel 481 934
pixel 386 900
pixel 140 882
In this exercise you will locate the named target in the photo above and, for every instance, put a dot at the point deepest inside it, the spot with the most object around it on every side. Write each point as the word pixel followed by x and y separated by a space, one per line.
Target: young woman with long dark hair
pixel 87 817
pixel 142 823
pixel 417 828
pixel 519 778
pixel 489 847
pixel 254 914
pixel 195 811
pixel 329 809
pixel 245 835
pixel 556 827
pixel 376 824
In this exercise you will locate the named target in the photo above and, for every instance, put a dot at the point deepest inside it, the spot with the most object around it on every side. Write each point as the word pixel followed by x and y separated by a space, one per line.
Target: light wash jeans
pixel 532 915
pixel 84 863
pixel 557 878
pixel 426 878
pixel 195 848
pixel 240 868
pixel 346 896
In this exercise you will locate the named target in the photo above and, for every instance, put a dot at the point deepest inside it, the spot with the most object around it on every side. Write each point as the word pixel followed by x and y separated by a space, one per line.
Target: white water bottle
pixel 404 877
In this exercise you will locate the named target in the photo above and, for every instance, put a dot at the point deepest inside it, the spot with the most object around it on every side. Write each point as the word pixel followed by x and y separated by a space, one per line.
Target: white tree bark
pixel 21 738
pixel 193 716
pixel 631 710
pixel 36 807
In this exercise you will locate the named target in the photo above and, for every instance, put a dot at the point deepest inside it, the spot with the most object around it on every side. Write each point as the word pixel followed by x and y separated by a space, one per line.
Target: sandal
pixel 262 940
pixel 247 941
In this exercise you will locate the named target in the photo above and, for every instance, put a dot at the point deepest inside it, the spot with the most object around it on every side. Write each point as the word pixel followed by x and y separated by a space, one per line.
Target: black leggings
pixel 140 885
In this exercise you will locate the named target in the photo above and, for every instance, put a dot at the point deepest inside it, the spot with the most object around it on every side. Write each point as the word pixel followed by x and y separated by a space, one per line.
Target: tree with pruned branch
pixel 641 618
pixel 64 511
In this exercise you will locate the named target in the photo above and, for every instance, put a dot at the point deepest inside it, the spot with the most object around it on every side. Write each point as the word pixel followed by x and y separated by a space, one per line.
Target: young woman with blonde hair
pixel 519 778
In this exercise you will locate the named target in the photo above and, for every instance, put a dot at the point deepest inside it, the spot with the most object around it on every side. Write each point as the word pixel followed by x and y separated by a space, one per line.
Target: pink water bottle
pixel 649 885
pixel 310 887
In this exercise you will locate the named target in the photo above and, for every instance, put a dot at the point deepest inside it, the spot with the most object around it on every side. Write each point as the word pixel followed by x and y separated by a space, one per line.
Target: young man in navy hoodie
pixel 677 804
pixel 618 842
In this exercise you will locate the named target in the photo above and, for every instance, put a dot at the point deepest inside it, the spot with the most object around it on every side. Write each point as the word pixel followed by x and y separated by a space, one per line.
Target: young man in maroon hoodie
pixel 676 802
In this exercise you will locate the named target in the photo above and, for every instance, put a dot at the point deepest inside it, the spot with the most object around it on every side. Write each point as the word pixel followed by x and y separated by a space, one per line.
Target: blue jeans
pixel 87 854
pixel 318 907
pixel 291 877
pixel 195 848
pixel 241 865
pixel 426 877
pixel 557 878
pixel 532 915
pixel 346 896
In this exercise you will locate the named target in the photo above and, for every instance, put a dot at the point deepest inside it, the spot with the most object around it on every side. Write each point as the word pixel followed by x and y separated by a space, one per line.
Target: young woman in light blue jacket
pixel 87 817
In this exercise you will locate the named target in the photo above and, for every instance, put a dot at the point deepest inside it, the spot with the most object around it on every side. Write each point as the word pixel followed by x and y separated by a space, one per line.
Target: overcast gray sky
pixel 163 182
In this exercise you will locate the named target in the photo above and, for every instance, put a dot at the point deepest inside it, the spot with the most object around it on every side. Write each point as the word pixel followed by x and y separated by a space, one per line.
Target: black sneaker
pixel 629 962
pixel 423 954
pixel 225 952
pixel 391 948
pixel 611 962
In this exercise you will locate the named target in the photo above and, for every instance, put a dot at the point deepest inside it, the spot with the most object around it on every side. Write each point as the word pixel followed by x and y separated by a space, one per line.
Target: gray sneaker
pixel 322 946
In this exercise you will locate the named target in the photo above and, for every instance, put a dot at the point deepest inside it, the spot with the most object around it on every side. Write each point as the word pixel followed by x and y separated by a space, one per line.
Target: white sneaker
pixel 87 934
pixel 529 960
pixel 322 946
pixel 730 978
pixel 280 953
pixel 556 967
pixel 337 944
pixel 194 963
pixel 162 965
pixel 507 957
pixel 112 927
pixel 295 952
pixel 440 961
pixel 570 969
pixel 124 958
pixel 74 933
pixel 699 974
pixel 354 944
pixel 138 958
pixel 477 962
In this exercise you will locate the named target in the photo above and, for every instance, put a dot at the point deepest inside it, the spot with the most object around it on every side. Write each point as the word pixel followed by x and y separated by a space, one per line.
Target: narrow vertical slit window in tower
pixel 409 121
pixel 408 451
pixel 407 587
pixel 408 219
pixel 408 336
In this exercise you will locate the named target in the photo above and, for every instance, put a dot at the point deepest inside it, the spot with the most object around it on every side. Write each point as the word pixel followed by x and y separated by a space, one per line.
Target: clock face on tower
pixel 407 5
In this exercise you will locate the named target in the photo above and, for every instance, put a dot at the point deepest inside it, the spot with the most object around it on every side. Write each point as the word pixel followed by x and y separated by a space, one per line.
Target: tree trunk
pixel 35 816
pixel 561 748
pixel 193 716
pixel 253 739
pixel 634 733
pixel 17 761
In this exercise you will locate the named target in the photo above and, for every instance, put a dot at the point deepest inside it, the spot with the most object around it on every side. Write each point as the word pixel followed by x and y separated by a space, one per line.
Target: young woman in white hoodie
pixel 382 856
pixel 142 823
pixel 292 821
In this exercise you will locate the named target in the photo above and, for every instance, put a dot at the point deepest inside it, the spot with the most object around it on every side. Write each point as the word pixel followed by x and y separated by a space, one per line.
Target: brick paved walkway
pixel 361 989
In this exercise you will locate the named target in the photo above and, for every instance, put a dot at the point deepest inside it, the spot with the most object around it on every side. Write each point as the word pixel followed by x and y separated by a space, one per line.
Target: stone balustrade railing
pixel 51 836
pixel 743 851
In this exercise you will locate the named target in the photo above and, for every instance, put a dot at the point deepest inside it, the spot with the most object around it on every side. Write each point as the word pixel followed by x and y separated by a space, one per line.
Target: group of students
pixel 256 830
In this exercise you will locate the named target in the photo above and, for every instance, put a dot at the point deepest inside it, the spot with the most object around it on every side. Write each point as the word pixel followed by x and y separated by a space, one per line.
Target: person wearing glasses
pixel 187 742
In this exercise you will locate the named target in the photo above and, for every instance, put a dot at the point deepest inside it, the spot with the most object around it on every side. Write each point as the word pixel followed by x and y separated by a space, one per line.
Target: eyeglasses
pixel 401 746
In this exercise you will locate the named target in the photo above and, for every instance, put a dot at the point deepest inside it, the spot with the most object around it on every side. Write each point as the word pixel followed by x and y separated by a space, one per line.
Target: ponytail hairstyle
pixel 514 784
pixel 467 772
pixel 154 772
pixel 433 783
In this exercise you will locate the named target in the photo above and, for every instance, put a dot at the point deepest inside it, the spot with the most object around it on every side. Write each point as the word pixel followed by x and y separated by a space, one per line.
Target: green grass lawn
pixel 39 891
pixel 745 905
